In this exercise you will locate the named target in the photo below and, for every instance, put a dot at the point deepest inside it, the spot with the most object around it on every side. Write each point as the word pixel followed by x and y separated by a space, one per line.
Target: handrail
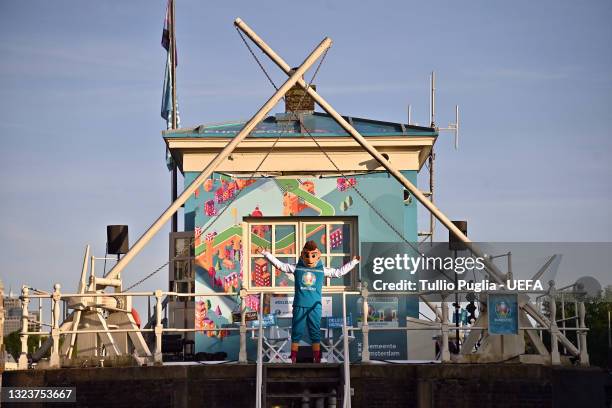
pixel 443 326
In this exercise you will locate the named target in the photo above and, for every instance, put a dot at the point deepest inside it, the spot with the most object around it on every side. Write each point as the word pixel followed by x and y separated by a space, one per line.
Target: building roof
pixel 286 125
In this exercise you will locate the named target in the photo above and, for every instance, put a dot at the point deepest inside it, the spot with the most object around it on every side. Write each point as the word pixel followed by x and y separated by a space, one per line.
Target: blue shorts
pixel 309 317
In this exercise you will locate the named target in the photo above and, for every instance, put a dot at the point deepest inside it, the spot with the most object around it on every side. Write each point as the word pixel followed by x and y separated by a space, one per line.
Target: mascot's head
pixel 310 254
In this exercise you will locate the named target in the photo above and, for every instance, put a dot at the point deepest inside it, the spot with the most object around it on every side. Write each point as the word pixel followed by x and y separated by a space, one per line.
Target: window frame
pixel 299 224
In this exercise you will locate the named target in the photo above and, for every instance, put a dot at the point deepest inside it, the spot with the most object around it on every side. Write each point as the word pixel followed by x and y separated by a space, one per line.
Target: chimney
pixel 297 100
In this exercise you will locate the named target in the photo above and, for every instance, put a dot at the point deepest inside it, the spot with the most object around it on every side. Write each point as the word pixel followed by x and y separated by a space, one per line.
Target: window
pixel 284 237
pixel 182 268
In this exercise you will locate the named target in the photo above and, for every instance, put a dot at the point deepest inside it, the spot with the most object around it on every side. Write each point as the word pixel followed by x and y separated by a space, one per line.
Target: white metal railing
pixel 56 332
pixel 441 324
pixel 579 316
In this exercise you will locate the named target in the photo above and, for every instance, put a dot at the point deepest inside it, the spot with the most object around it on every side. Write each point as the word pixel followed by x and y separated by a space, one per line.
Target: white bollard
pixel 445 351
pixel 25 302
pixel 54 360
pixel 584 355
pixel 158 327
pixel 365 328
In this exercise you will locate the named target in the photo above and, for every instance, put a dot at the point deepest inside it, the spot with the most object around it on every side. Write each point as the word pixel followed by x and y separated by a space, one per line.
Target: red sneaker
pixel 316 356
pixel 293 356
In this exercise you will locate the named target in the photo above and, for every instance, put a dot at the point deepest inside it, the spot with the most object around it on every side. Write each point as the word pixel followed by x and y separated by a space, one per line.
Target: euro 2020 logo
pixel 309 279
pixel 502 310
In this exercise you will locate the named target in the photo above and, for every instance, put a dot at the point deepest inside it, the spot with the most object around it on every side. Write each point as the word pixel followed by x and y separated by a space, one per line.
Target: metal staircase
pixel 303 385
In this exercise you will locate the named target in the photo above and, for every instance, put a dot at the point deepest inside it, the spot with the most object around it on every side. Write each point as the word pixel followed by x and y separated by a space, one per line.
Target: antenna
pixel 452 127
pixel 456 127
pixel 409 115
pixel 432 99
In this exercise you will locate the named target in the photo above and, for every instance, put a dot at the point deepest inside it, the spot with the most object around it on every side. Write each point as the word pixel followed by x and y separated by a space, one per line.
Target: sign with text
pixel 282 306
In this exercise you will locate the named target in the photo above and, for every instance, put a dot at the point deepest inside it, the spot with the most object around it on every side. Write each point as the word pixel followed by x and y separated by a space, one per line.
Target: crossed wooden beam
pixel 295 77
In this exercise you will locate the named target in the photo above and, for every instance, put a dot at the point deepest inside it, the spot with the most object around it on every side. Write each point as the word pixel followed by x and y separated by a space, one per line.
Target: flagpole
pixel 174 176
pixel 173 67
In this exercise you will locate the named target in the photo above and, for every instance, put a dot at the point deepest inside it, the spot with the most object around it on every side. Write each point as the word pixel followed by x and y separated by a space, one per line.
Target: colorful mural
pixel 215 212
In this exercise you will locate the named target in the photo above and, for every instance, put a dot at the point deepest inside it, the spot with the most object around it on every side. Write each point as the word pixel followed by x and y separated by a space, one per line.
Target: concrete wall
pixel 422 386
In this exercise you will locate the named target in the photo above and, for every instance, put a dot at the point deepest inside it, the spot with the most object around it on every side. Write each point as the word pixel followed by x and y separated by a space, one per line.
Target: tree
pixel 597 336
pixel 13 343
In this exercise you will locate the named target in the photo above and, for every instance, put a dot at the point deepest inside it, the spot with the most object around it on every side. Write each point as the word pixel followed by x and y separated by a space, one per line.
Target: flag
pixel 169 160
pixel 167 108
pixel 165 41
pixel 167 44
pixel 166 105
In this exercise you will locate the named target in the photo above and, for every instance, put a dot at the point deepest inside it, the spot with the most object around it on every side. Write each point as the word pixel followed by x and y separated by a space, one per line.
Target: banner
pixel 282 306
pixel 382 311
pixel 503 314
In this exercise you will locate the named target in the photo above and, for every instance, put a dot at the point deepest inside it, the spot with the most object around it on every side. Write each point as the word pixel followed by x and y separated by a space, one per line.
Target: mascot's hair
pixel 310 246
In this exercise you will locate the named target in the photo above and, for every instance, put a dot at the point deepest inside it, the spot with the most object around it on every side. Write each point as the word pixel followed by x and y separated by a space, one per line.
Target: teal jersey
pixel 308 284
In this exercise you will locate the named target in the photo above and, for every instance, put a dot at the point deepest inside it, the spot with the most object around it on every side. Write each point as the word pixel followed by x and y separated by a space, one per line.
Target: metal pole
pixel 345 345
pixel 510 274
pixel 210 168
pixel 174 224
pixel 173 67
pixel 433 99
pixel 456 127
pixel 563 319
pixel 539 306
pixel 554 330
pixel 493 270
pixel 577 323
pixel 432 221
pixel 456 307
pixel 83 281
pixel 174 193
pixel 40 321
pixel 242 355
pixel 609 332
pixel 259 354
pixel 76 318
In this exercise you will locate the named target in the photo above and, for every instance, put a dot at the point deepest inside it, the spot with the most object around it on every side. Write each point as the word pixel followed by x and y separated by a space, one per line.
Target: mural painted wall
pixel 214 214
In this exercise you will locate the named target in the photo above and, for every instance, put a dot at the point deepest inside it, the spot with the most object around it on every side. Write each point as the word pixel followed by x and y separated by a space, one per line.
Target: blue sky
pixel 80 93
